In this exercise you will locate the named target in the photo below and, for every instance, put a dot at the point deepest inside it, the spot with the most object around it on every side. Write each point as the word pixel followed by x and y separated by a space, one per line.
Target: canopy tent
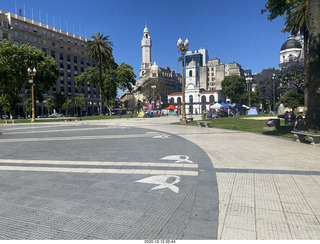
pixel 171 107
pixel 226 105
pixel 238 106
pixel 216 106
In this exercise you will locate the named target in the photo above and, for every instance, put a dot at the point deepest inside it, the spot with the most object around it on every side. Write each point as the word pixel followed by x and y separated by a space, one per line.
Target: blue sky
pixel 232 30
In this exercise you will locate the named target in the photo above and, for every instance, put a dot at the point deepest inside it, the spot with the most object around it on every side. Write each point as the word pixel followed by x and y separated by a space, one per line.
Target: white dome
pixel 155 67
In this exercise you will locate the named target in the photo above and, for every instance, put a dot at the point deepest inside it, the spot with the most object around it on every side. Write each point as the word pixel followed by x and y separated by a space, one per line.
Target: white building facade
pixel 196 99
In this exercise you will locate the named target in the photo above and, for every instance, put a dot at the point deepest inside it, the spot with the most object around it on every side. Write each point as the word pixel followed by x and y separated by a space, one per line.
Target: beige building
pixel 149 72
pixel 68 50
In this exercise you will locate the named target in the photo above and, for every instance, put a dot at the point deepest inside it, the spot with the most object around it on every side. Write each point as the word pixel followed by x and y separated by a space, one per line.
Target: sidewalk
pixel 269 187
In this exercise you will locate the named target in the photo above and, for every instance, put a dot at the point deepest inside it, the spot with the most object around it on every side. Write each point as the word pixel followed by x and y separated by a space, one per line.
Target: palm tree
pixel 313 113
pixel 100 50
pixel 297 21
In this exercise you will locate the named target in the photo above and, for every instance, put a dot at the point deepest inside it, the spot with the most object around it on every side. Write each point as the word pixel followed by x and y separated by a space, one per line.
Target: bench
pixel 187 119
pixel 6 121
pixel 301 136
pixel 204 124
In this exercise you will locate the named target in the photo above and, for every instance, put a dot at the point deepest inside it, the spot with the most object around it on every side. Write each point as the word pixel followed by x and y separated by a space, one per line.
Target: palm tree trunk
pixel 313 113
pixel 306 58
pixel 100 84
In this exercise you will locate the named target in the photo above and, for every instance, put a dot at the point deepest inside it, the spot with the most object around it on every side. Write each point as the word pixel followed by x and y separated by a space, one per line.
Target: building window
pixel 26 37
pixel 16 33
pixel 53 44
pixel 44 50
pixel 44 41
pixel 17 43
pixel 35 30
pixel 16 24
pixel 5 24
pixel 53 54
pixel 68 58
pixel 44 32
pixel 35 39
pixel 61 56
pixel 61 46
pixel 190 73
pixel 211 98
pixel 25 27
pixel 61 38
pixel 75 59
pixel 53 35
pixel 203 99
pixel 190 99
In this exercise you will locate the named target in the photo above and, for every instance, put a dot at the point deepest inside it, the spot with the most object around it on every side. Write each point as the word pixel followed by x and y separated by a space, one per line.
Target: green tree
pixel 100 49
pixel 67 105
pixel 28 105
pixel 158 92
pixel 280 7
pixel 59 100
pixel 293 98
pixel 234 86
pixel 79 102
pixel 49 104
pixel 14 62
pixel 114 77
pixel 4 103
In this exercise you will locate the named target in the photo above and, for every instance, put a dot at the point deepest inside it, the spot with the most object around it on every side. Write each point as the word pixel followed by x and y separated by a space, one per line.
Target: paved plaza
pixel 150 179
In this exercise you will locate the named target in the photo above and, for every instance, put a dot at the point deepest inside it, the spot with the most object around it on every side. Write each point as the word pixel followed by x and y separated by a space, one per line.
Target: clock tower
pixel 146 52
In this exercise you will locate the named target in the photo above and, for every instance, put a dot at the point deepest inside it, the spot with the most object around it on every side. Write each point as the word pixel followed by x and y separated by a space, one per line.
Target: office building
pixel 68 50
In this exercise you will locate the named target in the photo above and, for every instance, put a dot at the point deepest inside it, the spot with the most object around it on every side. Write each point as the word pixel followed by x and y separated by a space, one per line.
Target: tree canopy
pixel 113 76
pixel 234 86
pixel 14 62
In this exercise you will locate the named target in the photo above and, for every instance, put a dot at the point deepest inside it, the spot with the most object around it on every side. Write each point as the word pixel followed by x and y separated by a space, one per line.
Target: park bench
pixel 13 122
pixel 301 136
pixel 187 119
pixel 204 124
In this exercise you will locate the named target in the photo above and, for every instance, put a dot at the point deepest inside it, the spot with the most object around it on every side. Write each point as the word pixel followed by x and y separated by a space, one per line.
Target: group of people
pixel 299 122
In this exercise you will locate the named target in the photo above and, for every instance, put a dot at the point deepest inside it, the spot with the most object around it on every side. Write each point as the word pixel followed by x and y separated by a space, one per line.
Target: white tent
pixel 216 106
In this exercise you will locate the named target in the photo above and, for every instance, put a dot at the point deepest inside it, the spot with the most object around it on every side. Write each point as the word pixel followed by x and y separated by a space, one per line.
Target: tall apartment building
pixel 68 50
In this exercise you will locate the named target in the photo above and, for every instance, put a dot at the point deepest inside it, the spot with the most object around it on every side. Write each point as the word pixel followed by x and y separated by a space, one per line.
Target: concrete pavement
pixel 249 186
pixel 269 187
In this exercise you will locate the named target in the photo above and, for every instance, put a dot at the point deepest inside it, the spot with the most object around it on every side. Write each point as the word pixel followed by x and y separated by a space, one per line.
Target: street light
pixel 183 47
pixel 274 90
pixel 32 74
pixel 249 81
pixel 153 88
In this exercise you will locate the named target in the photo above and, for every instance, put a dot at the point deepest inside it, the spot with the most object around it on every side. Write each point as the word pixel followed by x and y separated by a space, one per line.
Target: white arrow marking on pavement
pixel 161 181
pixel 161 137
pixel 178 158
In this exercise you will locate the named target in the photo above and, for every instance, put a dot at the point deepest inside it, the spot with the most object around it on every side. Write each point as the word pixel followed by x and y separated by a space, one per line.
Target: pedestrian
pixel 293 118
pixel 300 124
pixel 286 118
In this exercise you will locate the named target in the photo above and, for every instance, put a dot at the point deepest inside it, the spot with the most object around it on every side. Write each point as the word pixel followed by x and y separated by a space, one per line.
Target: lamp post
pixel 153 89
pixel 32 74
pixel 249 81
pixel 183 47
pixel 274 91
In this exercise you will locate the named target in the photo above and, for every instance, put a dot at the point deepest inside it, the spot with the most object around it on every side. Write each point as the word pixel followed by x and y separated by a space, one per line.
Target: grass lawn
pixel 96 117
pixel 250 125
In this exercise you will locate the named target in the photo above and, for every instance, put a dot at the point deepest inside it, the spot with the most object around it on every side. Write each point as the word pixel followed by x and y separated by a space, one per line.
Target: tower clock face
pixel 147 42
